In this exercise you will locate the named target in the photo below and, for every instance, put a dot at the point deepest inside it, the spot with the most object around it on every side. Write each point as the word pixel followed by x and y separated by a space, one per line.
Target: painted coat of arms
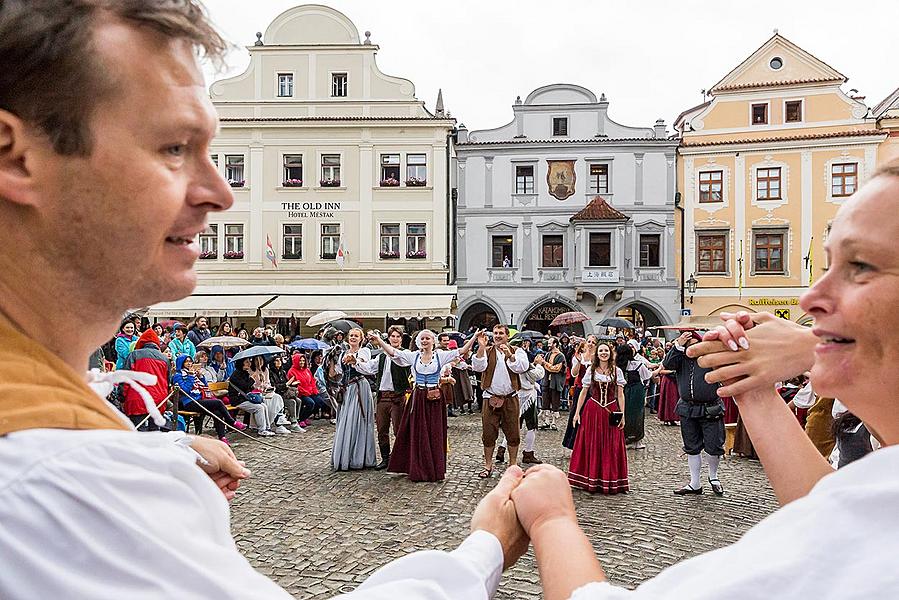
pixel 560 178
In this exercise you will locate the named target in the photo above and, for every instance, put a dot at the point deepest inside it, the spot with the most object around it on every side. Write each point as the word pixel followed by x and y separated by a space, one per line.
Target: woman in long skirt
pixel 420 446
pixel 354 436
pixel 636 374
pixel 668 397
pixel 599 460
pixel 582 358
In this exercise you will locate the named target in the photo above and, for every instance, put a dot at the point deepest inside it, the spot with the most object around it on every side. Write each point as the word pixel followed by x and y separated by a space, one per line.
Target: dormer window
pixel 560 126
pixel 793 111
pixel 338 85
pixel 285 85
pixel 760 114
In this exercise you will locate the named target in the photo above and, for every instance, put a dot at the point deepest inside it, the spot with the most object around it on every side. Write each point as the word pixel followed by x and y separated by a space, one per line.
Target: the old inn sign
pixel 310 210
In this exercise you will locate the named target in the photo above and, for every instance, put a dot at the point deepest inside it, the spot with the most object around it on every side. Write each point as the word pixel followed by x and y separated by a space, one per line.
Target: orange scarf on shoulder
pixel 39 391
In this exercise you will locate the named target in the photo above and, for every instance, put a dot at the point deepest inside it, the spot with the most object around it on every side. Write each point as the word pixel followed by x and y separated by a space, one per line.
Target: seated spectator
pixel 146 358
pixel 274 403
pixel 300 378
pixel 245 395
pixel 180 345
pixel 192 385
pixel 219 368
pixel 297 408
pixel 199 332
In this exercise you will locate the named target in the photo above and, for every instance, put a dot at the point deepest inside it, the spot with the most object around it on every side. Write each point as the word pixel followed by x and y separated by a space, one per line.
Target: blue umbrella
pixel 309 344
pixel 257 351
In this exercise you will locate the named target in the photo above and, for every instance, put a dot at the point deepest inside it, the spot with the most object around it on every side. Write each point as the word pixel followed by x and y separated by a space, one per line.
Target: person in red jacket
pixel 300 376
pixel 146 358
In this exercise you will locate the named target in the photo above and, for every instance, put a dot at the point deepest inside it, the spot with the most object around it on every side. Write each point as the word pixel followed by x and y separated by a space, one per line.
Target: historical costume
pixel 420 447
pixel 392 381
pixel 636 374
pixel 527 399
pixel 354 436
pixel 553 386
pixel 599 460
pixel 701 418
pixel 668 397
pixel 500 409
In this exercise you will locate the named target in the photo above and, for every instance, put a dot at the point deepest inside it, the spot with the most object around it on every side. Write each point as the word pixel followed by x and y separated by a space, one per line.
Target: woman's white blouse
pixel 406 358
pixel 602 378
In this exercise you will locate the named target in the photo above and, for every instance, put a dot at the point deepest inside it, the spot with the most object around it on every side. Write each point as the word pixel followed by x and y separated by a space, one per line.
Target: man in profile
pixel 105 182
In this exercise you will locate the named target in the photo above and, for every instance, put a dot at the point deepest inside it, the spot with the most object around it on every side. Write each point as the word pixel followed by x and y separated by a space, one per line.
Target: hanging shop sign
pixel 310 210
pixel 774 302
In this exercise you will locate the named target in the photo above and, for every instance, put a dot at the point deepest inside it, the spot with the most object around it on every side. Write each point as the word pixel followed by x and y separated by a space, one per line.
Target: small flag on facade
pixel 270 251
pixel 341 255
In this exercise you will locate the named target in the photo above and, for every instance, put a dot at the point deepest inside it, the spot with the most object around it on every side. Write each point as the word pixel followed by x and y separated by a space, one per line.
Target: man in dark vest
pixel 701 414
pixel 393 383
pixel 501 364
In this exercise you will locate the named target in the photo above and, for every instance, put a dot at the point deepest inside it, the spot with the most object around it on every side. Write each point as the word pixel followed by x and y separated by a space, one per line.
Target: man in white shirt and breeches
pixel 501 365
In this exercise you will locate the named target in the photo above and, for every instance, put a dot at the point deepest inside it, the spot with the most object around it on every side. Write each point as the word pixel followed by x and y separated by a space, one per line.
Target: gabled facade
pixel 763 168
pixel 564 209
pixel 342 168
pixel 887 115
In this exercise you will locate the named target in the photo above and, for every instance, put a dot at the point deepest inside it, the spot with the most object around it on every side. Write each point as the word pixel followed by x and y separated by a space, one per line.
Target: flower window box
pixel 330 183
pixel 417 254
pixel 233 255
pixel 415 182
pixel 237 184
pixel 292 183
pixel 390 182
pixel 389 255
pixel 208 255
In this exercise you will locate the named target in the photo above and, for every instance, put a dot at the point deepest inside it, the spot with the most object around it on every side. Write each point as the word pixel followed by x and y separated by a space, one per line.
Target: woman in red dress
pixel 668 397
pixel 598 460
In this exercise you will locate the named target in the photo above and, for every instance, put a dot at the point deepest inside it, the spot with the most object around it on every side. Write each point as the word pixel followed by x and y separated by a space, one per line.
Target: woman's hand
pixel 576 420
pixel 778 350
pixel 621 423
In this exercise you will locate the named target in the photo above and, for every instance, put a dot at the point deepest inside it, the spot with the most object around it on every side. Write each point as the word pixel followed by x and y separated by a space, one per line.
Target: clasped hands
pixel 524 508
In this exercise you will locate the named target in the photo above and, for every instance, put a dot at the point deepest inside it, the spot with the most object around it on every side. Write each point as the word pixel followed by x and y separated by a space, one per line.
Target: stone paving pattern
pixel 319 533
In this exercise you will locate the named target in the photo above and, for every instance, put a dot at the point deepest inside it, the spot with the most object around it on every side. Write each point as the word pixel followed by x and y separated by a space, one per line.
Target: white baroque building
pixel 342 169
pixel 564 209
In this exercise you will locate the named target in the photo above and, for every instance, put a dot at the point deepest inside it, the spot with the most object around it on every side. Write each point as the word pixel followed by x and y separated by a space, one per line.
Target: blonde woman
pixel 354 437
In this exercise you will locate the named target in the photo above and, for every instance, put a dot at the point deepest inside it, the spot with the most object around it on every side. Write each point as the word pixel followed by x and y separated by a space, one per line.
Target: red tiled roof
pixel 787 138
pixel 760 84
pixel 598 210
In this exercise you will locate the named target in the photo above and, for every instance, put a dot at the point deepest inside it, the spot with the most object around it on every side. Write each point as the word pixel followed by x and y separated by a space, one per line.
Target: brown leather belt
pixel 386 395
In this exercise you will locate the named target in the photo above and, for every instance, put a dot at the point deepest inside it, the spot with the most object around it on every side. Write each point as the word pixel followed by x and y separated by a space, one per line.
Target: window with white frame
pixel 416 240
pixel 339 85
pixel 209 242
pixel 416 170
pixel 501 251
pixel 711 186
pixel 553 251
pixel 293 170
pixel 524 179
pixel 711 255
pixel 599 178
pixel 390 241
pixel 330 170
pixel 599 251
pixel 390 170
pixel 560 126
pixel 215 159
pixel 843 179
pixel 234 169
pixel 768 183
pixel 292 242
pixel 330 238
pixel 768 251
pixel 233 241
pixel 650 250
pixel 285 85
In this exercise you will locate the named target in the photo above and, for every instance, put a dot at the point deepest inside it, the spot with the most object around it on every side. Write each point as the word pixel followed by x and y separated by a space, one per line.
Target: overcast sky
pixel 650 57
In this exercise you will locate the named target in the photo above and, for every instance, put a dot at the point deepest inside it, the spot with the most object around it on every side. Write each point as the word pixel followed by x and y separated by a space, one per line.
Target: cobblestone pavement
pixel 319 533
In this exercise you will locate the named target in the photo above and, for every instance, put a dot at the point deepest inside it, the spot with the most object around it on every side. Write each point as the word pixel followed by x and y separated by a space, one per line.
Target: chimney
pixel 661 132
pixel 461 134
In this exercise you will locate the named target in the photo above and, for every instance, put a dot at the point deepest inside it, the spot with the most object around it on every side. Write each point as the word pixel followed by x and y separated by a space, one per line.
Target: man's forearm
pixel 565 558
pixel 791 461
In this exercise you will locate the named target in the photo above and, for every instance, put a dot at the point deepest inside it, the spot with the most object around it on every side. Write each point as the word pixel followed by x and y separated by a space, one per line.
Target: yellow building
pixel 764 165
pixel 887 115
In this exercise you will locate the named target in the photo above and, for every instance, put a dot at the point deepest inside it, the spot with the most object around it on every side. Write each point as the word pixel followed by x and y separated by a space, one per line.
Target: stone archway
pixel 540 314
pixel 642 314
pixel 479 315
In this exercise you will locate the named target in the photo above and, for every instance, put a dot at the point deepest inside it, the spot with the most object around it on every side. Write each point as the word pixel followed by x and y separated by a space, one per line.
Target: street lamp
pixel 691 284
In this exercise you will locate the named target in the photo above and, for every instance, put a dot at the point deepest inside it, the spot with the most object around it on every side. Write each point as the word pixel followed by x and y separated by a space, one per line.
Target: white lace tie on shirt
pixel 102 383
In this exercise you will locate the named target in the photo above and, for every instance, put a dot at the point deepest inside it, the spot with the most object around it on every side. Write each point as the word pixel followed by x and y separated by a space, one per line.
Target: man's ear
pixel 17 181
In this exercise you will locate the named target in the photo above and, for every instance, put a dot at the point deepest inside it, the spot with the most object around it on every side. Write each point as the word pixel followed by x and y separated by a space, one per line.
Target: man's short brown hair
pixel 505 328
pixel 50 74
pixel 394 328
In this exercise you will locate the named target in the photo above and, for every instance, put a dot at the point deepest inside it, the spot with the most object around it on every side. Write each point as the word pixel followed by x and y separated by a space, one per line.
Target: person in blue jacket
pixel 124 342
pixel 191 383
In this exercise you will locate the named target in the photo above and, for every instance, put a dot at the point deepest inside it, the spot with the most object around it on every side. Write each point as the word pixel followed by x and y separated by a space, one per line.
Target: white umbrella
pixel 225 341
pixel 325 317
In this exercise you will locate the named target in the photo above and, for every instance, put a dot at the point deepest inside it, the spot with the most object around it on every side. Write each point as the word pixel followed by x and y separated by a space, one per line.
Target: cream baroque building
pixel 763 167
pixel 333 162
